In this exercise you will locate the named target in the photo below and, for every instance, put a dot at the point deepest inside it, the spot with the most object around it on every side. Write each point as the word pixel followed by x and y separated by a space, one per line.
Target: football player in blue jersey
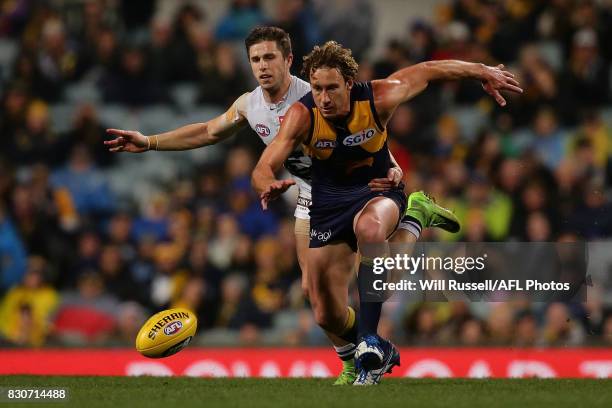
pixel 342 124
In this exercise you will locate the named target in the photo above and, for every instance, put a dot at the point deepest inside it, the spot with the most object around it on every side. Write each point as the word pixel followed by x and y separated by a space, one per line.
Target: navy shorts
pixel 332 220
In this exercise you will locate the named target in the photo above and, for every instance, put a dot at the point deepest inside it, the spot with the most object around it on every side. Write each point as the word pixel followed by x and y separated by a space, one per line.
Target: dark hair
pixel 278 35
pixel 331 55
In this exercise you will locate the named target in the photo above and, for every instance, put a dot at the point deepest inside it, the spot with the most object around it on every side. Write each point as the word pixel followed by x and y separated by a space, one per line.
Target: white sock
pixel 346 352
pixel 412 227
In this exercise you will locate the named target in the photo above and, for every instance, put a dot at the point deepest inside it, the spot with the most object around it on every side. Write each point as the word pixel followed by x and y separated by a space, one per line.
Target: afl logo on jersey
pixel 262 130
pixel 325 144
pixel 359 138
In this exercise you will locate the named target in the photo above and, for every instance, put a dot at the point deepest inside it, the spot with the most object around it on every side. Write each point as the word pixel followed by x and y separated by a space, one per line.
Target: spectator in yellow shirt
pixel 27 307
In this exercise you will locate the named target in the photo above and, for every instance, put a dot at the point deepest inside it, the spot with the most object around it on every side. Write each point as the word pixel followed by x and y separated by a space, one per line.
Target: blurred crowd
pixel 83 264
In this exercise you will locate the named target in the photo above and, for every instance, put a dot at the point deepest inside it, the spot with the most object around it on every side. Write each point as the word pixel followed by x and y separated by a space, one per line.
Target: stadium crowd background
pixel 92 243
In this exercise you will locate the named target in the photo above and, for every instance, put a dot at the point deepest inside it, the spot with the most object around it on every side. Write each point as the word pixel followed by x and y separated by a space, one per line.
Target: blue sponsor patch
pixel 359 138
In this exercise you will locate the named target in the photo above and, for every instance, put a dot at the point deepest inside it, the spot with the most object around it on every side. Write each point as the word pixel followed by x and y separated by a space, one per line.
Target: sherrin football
pixel 166 333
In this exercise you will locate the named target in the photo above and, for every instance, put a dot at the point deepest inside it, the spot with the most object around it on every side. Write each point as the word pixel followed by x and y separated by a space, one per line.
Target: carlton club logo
pixel 173 328
pixel 262 130
pixel 359 138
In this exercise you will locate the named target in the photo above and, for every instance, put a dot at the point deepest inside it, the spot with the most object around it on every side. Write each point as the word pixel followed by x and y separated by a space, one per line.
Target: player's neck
pixel 343 115
pixel 276 95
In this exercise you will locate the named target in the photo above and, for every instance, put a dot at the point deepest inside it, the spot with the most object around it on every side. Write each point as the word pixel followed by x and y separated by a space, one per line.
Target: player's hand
pixel 274 191
pixel 497 79
pixel 393 179
pixel 127 141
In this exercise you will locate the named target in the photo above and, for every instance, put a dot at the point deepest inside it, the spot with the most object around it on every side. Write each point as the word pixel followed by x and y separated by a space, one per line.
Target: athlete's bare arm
pixel 406 83
pixel 293 131
pixel 184 138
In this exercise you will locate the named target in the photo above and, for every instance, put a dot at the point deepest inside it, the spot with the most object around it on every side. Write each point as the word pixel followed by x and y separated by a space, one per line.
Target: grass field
pixel 119 392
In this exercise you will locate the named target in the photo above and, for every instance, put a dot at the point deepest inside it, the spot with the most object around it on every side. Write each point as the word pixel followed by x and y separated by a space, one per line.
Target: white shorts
pixel 304 199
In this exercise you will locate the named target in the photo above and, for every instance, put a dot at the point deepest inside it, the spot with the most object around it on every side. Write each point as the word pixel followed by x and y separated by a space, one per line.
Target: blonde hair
pixel 331 55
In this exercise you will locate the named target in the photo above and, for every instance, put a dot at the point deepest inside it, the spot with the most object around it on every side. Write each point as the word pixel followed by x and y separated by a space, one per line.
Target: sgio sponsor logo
pixel 359 138
pixel 320 236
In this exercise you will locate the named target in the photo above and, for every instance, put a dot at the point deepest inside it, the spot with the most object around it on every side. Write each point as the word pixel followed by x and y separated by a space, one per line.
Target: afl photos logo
pixel 359 138
pixel 262 130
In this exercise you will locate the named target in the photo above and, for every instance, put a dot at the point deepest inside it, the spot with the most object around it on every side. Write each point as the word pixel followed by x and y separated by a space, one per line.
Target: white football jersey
pixel 265 119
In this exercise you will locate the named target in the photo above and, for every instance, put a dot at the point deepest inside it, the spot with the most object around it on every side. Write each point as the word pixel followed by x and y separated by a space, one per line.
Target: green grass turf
pixel 118 392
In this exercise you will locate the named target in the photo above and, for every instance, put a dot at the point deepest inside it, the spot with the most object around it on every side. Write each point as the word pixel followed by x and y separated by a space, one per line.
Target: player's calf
pixel 328 317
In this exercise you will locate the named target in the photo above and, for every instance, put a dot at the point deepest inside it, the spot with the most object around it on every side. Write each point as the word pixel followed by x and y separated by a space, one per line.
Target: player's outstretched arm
pixel 184 138
pixel 293 131
pixel 406 83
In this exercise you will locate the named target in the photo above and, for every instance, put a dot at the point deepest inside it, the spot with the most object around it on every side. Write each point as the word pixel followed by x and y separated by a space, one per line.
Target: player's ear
pixel 349 84
pixel 289 60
